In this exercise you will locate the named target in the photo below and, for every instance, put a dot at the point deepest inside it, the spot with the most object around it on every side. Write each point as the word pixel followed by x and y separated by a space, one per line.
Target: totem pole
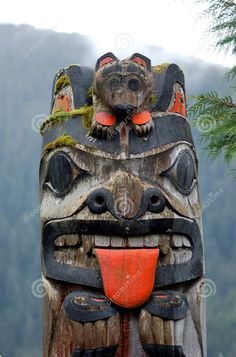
pixel 122 248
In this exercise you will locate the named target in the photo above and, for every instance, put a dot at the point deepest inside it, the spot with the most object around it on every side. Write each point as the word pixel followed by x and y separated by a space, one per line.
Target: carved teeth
pixel 182 256
pixel 176 241
pixel 186 242
pixel 102 241
pixel 67 240
pixel 79 250
pixel 136 242
pixel 151 241
pixel 60 241
pixel 118 242
pixel 71 240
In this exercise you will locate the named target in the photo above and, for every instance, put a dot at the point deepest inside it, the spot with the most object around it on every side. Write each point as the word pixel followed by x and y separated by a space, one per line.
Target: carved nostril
pixel 96 201
pixel 156 202
pixel 99 200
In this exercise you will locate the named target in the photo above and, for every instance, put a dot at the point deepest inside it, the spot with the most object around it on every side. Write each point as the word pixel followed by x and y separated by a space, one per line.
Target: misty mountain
pixel 29 59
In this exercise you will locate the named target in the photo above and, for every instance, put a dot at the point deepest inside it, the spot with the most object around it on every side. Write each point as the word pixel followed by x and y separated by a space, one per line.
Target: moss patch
pixel 90 92
pixel 160 68
pixel 152 99
pixel 64 140
pixel 62 82
pixel 86 112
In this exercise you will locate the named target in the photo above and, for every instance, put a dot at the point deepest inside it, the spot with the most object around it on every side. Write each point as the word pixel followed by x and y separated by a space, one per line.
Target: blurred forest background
pixel 29 59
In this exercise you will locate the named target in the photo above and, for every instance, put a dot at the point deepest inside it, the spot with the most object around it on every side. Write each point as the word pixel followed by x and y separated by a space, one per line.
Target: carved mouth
pixel 69 245
pixel 78 250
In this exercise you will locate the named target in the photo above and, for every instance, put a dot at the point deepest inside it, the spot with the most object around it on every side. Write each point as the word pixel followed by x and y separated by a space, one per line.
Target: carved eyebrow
pixel 135 69
pixel 175 180
pixel 113 68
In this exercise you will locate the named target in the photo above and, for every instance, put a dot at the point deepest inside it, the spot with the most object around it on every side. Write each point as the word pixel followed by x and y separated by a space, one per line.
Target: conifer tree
pixel 214 116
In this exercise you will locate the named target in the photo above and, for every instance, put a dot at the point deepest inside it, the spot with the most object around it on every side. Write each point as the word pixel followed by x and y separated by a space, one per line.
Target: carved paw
pixel 98 352
pixel 157 335
pixel 97 338
pixel 143 129
pixel 101 131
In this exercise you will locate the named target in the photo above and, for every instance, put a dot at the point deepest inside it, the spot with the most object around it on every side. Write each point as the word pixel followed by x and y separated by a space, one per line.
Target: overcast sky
pixel 123 25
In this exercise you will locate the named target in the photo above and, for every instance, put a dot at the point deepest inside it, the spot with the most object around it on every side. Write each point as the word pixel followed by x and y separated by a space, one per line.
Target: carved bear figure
pixel 121 89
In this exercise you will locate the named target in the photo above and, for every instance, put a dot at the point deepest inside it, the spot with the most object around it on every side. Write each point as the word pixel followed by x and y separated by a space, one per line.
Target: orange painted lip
pixel 105 118
pixel 141 118
pixel 128 275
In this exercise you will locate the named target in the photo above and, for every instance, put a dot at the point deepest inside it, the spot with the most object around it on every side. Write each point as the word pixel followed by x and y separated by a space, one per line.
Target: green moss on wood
pixel 160 68
pixel 152 99
pixel 62 82
pixel 64 140
pixel 86 112
pixel 90 92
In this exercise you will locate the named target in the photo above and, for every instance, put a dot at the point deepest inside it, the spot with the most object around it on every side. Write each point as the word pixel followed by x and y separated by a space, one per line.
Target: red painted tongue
pixel 128 274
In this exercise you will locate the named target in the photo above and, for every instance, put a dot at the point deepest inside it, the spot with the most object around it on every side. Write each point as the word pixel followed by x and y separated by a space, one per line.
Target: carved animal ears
pixel 136 57
pixel 107 58
pixel 141 60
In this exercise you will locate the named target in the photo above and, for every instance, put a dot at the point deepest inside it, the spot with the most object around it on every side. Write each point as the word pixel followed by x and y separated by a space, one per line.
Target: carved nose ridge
pixel 127 192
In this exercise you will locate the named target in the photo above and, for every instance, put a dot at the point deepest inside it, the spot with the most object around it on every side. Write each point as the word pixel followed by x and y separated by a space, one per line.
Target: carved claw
pixel 99 352
pixel 101 131
pixel 143 129
pixel 103 125
pixel 161 337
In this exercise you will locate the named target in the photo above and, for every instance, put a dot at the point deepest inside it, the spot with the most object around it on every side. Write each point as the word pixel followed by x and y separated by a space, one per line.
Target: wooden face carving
pixel 122 250
pixel 123 84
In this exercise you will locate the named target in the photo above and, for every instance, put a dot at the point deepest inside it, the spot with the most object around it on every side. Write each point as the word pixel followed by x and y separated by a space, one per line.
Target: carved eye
pixel 61 173
pixel 133 84
pixel 182 172
pixel 115 83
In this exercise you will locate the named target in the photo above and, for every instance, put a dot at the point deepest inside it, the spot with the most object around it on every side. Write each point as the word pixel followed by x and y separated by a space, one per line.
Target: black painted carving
pixel 81 79
pixel 163 85
pixel 167 129
pixel 167 304
pixel 88 307
pixel 98 352
pixel 91 277
pixel 61 173
pixel 164 351
pixel 97 200
pixel 100 200
pixel 182 172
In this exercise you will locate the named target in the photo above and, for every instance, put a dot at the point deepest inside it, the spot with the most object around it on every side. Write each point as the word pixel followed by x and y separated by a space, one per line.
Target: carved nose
pixel 126 199
pixel 127 192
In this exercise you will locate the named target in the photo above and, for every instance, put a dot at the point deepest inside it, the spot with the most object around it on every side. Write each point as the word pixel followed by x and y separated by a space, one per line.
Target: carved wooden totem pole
pixel 122 249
